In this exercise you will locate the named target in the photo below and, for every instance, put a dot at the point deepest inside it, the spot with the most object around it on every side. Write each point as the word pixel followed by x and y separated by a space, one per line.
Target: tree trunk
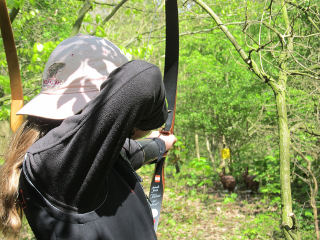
pixel 176 165
pixel 289 224
pixel 313 196
pixel 14 12
pixel 209 150
pixel 196 140
pixel 313 204
pixel 285 180
pixel 313 186
pixel 176 158
pixel 83 11
pixel 279 89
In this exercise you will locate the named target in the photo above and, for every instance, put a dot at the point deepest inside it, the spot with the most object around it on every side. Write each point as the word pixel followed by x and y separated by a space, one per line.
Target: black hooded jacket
pixel 75 182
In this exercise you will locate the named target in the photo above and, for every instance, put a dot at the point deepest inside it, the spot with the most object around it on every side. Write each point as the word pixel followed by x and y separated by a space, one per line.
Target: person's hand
pixel 169 140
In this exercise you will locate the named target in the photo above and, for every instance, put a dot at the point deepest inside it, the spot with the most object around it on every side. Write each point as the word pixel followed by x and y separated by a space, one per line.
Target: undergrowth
pixel 195 207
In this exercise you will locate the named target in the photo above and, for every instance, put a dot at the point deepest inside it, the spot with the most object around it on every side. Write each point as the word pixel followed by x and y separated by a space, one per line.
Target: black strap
pixel 170 83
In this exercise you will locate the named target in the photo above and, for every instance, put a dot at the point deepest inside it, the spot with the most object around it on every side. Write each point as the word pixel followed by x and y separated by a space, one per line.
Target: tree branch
pixel 129 7
pixel 306 10
pixel 5 98
pixel 304 67
pixel 113 12
pixel 297 73
pixel 304 127
pixel 83 11
pixel 250 62
pixel 307 36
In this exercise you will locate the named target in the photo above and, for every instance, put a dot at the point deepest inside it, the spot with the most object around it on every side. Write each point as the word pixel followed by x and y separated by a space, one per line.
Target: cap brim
pixel 55 106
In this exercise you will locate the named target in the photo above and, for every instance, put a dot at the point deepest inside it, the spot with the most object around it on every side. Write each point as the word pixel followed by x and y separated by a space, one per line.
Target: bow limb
pixel 170 84
pixel 13 67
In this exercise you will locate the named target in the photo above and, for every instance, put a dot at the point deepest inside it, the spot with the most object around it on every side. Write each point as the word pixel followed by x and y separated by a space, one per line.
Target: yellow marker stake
pixel 225 153
pixel 13 67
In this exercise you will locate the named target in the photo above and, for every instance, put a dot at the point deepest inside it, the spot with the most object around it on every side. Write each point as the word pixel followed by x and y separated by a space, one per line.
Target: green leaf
pixel 308 214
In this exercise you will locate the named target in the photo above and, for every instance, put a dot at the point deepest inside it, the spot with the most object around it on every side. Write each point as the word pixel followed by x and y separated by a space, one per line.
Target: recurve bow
pixel 13 67
pixel 170 83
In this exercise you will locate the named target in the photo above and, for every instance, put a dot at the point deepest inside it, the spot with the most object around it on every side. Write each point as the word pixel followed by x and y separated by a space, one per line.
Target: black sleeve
pixel 140 152
pixel 81 152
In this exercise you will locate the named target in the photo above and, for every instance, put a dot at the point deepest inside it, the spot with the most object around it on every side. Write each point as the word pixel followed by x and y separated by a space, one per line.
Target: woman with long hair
pixel 71 166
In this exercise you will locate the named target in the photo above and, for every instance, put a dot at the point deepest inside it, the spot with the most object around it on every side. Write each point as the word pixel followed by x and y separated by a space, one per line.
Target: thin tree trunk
pixel 285 180
pixel 176 158
pixel 209 151
pixel 313 204
pixel 176 164
pixel 288 218
pixel 313 186
pixel 196 140
pixel 14 12
pixel 313 196
pixel 83 11
pixel 278 87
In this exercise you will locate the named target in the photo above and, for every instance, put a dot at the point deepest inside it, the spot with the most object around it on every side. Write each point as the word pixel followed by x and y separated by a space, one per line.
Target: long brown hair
pixel 10 211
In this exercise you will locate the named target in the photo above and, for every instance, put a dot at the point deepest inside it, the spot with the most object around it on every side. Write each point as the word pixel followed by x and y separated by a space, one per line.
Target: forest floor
pixel 219 217
pixel 212 219
pixel 203 213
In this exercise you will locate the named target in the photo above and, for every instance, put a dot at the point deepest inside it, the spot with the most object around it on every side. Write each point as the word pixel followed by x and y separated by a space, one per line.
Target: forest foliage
pixel 222 102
